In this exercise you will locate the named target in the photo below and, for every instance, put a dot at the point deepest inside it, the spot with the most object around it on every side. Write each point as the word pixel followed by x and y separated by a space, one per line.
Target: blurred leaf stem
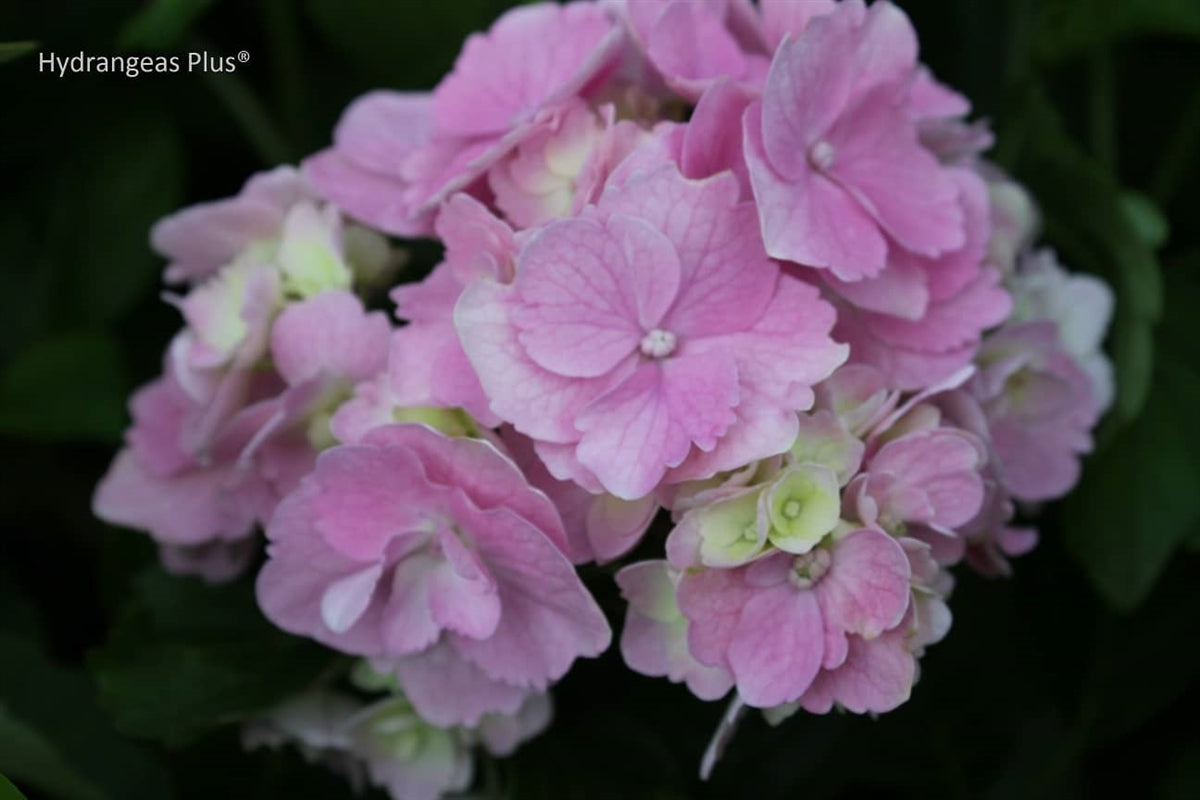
pixel 1103 111
pixel 1178 153
pixel 247 111
pixel 283 37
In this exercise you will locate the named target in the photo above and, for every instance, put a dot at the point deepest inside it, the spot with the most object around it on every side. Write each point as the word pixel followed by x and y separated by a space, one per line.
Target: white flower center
pixel 810 567
pixel 658 344
pixel 821 155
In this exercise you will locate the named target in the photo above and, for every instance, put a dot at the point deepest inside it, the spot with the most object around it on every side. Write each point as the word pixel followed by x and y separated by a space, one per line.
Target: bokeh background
pixel 1074 678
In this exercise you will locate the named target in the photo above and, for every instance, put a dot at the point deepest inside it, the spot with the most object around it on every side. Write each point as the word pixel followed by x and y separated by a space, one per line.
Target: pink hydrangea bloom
pixel 876 676
pixel 834 156
pixel 478 245
pixel 781 18
pixel 775 623
pixel 654 641
pixel 216 561
pixel 157 484
pixel 929 478
pixel 1040 407
pixel 397 155
pixel 1081 306
pixel 221 351
pixel 920 319
pixel 600 527
pixel 989 539
pixel 435 555
pixel 201 239
pixel 692 45
pixel 650 335
pixel 387 744
pixel 562 167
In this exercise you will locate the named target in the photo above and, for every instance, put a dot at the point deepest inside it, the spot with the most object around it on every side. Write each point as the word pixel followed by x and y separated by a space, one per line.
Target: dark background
pixel 1075 678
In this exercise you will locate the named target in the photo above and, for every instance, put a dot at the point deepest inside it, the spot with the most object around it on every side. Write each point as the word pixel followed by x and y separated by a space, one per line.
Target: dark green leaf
pixel 1066 28
pixel 30 758
pixel 1138 497
pixel 1182 779
pixel 14 50
pixel 131 176
pixel 70 386
pixel 8 791
pixel 54 738
pixel 161 24
pixel 186 657
pixel 1146 219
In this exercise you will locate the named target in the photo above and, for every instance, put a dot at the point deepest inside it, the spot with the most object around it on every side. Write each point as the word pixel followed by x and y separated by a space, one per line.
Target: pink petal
pixel 380 129
pixel 488 478
pixel 778 646
pixel 530 56
pixel 690 46
pixel 536 401
pixel 783 17
pixel 876 677
pixel 447 690
pixel 407 621
pixel 867 589
pixel 879 160
pixel 633 433
pixel 549 618
pixel 712 600
pixel 462 595
pixel 808 218
pixel 357 513
pixel 901 290
pixel 329 334
pixel 713 139
pixel 577 316
pixel 343 603
pixel 370 197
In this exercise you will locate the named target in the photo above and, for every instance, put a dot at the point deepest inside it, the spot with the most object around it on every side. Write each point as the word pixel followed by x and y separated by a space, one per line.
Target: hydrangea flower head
pixel 435 554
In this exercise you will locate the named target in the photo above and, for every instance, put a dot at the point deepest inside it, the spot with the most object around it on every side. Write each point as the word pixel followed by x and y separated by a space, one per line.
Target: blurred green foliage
pixel 1075 678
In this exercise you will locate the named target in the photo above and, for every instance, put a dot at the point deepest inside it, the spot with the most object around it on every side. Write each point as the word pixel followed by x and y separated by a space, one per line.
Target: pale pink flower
pixel 600 527
pixel 1082 307
pixel 775 623
pixel 321 348
pixel 652 334
pixel 1015 220
pixel 1040 408
pixel 876 676
pixel 931 478
pixel 397 155
pixel 562 167
pixel 834 156
pixel 989 539
pixel 201 239
pixel 654 641
pixel 478 245
pixel 216 561
pixel 692 45
pixel 158 485
pixel 920 319
pixel 434 556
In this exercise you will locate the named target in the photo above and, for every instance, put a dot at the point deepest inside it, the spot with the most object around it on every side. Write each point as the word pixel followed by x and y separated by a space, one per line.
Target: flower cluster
pixel 805 329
